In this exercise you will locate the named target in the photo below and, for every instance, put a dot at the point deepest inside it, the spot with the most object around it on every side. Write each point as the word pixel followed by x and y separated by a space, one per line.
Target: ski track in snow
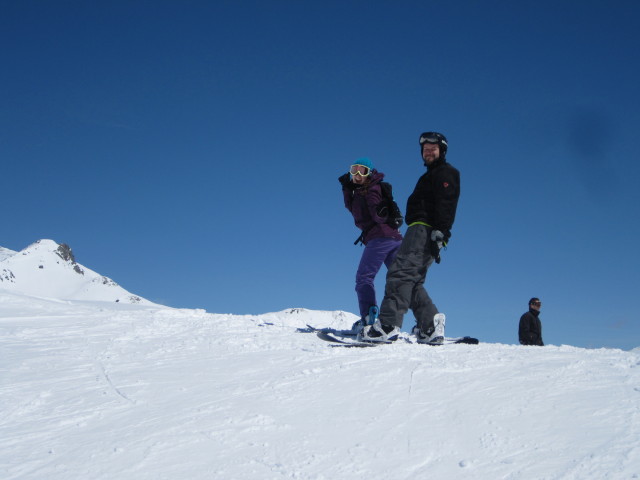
pixel 90 390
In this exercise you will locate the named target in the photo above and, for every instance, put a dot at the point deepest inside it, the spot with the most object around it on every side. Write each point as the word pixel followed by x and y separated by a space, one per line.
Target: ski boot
pixel 369 319
pixel 435 336
pixel 379 333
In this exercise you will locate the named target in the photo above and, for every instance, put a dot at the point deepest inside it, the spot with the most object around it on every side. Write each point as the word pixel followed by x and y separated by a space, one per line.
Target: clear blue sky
pixel 190 150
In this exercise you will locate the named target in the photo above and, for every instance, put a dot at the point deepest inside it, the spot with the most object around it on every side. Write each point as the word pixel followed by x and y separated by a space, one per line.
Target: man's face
pixel 536 305
pixel 430 152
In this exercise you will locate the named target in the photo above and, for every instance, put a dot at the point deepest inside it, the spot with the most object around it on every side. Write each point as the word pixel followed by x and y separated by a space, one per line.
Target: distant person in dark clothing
pixel 530 329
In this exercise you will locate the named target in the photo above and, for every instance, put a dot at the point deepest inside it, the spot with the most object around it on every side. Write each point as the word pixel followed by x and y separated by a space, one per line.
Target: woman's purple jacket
pixel 362 202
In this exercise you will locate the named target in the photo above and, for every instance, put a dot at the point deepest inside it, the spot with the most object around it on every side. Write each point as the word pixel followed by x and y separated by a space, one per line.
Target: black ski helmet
pixel 434 137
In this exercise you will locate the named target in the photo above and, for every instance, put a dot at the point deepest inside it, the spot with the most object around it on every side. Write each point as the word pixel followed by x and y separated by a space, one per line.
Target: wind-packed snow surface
pixel 104 390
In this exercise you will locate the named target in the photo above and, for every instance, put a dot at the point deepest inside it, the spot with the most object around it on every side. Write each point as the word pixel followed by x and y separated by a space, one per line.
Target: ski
pixel 337 342
pixel 340 333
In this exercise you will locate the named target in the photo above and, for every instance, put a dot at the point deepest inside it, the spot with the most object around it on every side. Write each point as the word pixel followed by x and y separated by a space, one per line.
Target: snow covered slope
pixel 47 269
pixel 107 391
pixel 6 253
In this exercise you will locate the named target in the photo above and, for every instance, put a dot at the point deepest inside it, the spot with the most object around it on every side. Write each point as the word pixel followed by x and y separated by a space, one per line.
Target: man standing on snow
pixel 431 210
pixel 530 329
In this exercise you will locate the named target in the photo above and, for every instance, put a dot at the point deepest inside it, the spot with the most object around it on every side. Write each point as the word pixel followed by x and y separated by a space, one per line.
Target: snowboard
pixel 343 341
pixel 457 341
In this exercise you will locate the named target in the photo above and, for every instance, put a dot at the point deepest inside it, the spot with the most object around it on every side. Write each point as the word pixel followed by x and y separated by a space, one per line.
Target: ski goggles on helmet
pixel 432 137
pixel 359 170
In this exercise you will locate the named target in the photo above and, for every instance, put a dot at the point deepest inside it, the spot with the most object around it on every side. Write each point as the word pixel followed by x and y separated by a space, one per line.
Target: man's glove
pixel 437 242
pixel 345 181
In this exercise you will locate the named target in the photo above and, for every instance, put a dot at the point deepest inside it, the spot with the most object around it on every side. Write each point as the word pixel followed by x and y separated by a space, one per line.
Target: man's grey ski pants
pixel 405 282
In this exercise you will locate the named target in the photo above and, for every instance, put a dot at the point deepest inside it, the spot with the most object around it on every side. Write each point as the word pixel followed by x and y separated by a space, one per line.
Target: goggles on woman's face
pixel 359 170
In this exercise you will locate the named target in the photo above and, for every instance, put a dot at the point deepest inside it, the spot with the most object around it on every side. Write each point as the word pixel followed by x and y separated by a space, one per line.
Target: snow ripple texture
pixel 103 391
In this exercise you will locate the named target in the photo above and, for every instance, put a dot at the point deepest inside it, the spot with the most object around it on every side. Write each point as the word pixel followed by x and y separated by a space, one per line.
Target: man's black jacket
pixel 530 329
pixel 435 198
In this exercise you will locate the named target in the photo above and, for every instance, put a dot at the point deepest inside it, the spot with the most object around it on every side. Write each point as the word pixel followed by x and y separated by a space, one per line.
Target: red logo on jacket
pixel 445 184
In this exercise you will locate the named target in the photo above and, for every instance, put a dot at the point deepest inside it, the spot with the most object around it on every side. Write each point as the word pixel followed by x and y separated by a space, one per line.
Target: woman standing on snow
pixel 363 198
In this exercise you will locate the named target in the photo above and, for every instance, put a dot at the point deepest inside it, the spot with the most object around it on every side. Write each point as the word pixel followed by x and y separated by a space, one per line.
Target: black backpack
pixel 389 208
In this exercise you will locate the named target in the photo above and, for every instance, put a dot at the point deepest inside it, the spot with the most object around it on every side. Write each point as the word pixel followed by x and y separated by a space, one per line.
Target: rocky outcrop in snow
pixel 48 269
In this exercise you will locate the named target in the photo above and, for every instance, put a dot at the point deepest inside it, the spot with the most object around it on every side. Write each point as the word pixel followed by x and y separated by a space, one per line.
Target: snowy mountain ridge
pixel 48 269
pixel 6 253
